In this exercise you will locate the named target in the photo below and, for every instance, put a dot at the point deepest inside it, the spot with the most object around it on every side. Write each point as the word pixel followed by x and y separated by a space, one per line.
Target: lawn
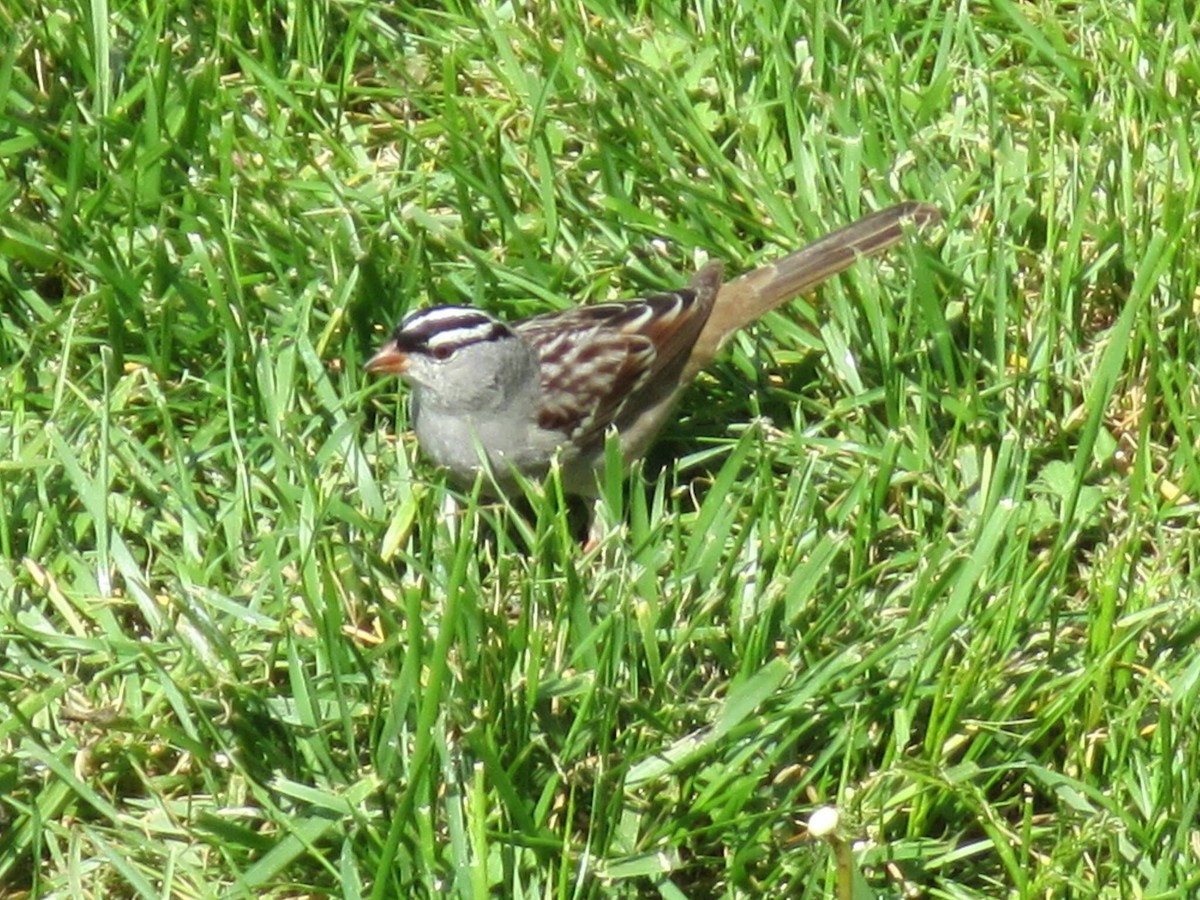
pixel 923 547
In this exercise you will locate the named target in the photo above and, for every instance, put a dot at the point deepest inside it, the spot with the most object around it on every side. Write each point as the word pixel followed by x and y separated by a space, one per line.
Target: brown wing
pixel 594 359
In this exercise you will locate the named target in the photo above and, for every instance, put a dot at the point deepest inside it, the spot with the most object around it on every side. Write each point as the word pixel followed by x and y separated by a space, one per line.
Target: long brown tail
pixel 748 297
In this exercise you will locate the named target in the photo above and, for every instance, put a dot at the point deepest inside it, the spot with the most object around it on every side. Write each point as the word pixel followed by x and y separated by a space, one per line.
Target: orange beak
pixel 388 361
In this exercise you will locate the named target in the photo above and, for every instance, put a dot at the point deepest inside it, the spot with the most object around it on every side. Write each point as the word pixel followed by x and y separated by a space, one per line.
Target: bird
pixel 508 399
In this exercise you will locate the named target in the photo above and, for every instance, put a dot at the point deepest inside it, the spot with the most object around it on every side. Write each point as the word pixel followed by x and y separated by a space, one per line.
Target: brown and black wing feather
pixel 596 359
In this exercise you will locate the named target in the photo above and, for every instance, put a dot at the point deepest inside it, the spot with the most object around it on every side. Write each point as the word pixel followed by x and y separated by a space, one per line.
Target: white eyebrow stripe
pixel 462 334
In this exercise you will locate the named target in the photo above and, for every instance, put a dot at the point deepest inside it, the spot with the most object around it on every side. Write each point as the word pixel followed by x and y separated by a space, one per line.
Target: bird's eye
pixel 441 352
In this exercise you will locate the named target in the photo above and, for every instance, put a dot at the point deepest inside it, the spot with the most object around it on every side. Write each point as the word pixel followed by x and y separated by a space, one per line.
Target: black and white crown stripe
pixel 445 328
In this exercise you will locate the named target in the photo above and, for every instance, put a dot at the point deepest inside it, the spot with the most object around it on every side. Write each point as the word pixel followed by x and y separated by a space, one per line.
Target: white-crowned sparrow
pixel 518 394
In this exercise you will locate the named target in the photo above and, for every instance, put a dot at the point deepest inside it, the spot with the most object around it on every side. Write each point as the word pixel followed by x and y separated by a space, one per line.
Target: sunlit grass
pixel 924 548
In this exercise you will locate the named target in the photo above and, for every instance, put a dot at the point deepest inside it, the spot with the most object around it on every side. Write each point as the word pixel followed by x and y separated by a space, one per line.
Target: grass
pixel 924 549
